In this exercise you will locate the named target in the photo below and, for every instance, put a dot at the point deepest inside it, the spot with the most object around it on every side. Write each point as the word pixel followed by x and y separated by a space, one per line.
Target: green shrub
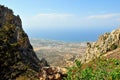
pixel 101 69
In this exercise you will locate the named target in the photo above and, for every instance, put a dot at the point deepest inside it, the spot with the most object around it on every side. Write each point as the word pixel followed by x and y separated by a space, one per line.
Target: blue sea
pixel 68 35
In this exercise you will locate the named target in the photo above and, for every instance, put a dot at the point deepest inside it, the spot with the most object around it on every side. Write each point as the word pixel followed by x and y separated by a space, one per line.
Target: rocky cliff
pixel 16 53
pixel 105 43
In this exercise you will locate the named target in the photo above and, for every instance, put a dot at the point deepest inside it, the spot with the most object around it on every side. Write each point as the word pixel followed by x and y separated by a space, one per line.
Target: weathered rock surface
pixel 113 54
pixel 105 43
pixel 16 53
pixel 52 73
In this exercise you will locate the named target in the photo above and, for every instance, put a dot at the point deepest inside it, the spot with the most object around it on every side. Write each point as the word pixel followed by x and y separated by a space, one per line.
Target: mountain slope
pixel 101 60
pixel 106 43
pixel 16 53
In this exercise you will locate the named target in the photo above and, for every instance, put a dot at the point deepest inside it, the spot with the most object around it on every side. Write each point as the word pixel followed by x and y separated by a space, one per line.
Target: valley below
pixel 58 53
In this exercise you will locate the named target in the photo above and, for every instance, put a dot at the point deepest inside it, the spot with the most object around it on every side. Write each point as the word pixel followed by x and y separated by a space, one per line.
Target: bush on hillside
pixel 100 69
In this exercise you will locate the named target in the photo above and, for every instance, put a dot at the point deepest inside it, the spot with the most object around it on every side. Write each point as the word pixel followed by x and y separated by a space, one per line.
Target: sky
pixel 67 20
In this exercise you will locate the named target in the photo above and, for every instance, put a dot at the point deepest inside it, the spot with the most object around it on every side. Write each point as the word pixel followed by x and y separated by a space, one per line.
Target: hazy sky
pixel 58 16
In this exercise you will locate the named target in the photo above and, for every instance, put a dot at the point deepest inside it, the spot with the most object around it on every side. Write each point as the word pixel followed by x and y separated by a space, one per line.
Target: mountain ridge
pixel 105 43
pixel 17 56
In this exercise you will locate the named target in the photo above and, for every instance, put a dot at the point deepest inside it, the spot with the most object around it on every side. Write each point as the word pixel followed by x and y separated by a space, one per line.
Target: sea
pixel 68 35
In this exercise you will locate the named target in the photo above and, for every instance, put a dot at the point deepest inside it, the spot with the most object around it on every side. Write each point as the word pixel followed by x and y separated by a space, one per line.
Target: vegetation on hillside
pixel 99 69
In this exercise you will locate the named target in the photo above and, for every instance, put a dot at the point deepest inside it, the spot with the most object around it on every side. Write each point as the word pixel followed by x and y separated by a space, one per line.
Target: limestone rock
pixel 52 73
pixel 104 44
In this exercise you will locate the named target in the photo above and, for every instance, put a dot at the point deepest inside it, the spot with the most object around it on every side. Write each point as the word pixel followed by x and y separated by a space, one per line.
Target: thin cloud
pixel 54 15
pixel 104 16
pixel 50 20
pixel 57 20
pixel 48 9
pixel 118 19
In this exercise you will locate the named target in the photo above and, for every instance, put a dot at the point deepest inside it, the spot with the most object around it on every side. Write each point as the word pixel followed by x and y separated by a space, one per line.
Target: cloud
pixel 53 16
pixel 57 20
pixel 118 19
pixel 50 20
pixel 103 16
pixel 48 10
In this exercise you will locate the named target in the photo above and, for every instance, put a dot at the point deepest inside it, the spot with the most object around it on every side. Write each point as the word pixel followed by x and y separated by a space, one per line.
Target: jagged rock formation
pixel 52 73
pixel 105 43
pixel 16 53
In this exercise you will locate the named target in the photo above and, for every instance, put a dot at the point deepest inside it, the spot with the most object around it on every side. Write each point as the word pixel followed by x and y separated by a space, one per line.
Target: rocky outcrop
pixel 52 73
pixel 105 43
pixel 16 53
pixel 113 54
